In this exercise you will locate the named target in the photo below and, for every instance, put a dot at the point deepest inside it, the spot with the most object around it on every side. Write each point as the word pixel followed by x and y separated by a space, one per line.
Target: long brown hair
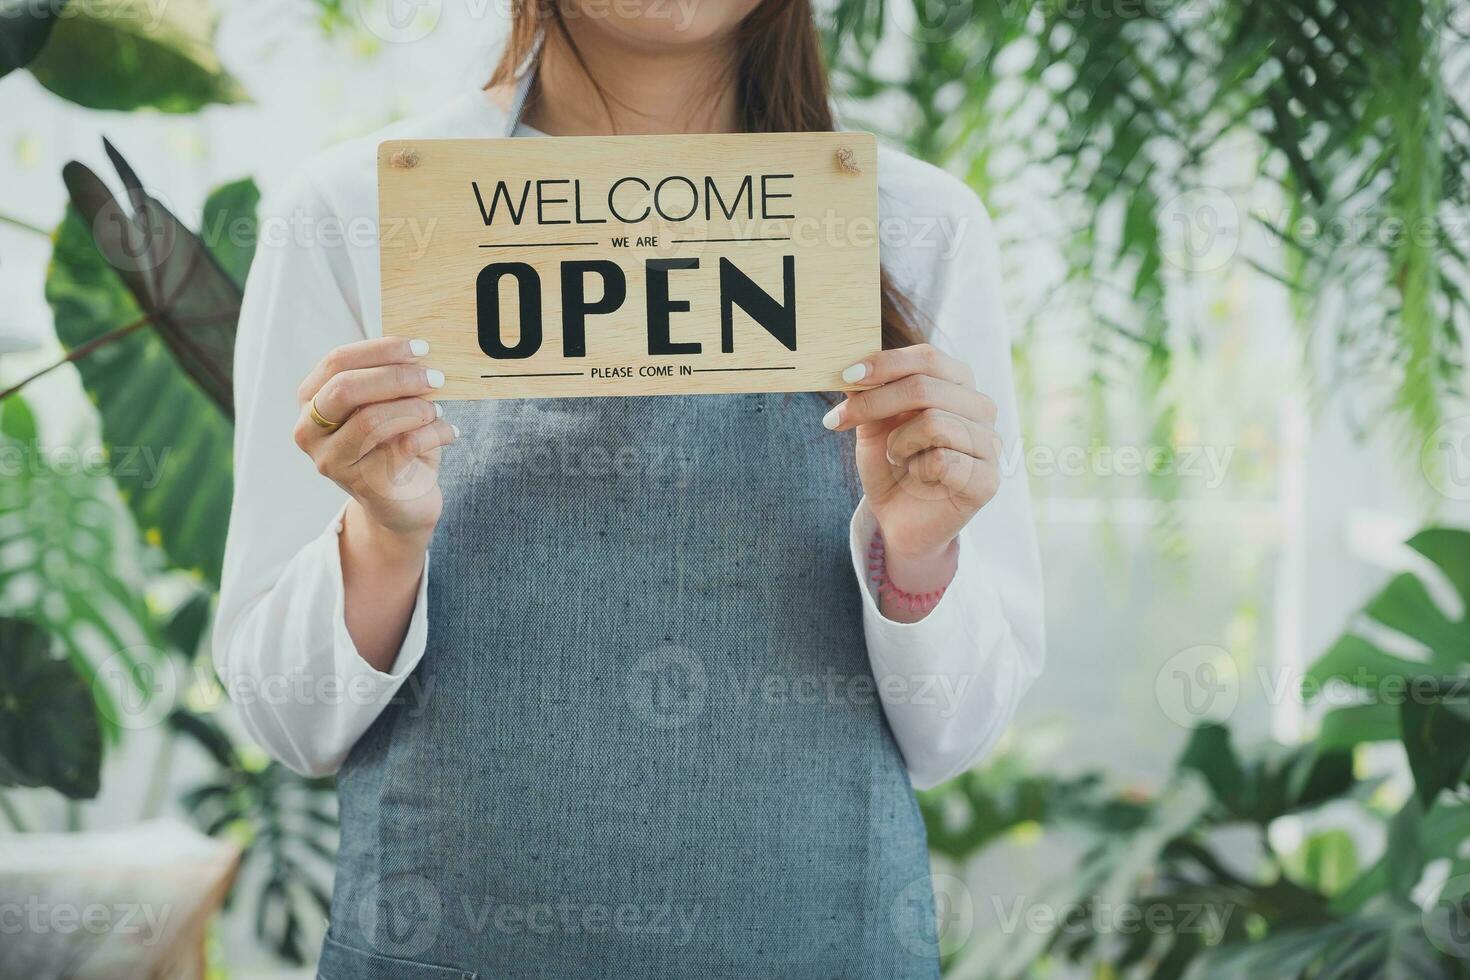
pixel 781 86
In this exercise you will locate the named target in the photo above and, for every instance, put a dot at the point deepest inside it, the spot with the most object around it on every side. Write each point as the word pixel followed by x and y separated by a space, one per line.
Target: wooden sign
pixel 632 265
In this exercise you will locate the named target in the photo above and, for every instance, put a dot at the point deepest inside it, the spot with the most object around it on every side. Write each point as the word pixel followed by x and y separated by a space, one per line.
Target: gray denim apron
pixel 644 740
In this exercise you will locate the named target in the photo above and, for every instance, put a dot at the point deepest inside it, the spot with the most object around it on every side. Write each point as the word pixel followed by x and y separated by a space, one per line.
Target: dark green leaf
pixel 125 55
pixel 24 27
pixel 207 735
pixel 1354 725
pixel 1406 854
pixel 1210 753
pixel 189 299
pixel 67 559
pixel 1437 742
pixel 49 730
pixel 185 628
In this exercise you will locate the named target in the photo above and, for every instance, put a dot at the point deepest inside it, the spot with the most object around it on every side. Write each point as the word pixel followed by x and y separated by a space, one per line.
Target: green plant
pixel 118 54
pixel 146 310
pixel 1191 882
pixel 1133 110
pixel 66 753
pixel 137 296
pixel 1422 702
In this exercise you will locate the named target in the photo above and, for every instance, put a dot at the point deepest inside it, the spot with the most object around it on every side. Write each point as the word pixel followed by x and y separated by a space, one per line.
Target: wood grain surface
pixel 752 211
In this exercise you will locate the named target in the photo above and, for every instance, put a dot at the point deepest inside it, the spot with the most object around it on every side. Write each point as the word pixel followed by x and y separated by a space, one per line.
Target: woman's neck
pixel 639 90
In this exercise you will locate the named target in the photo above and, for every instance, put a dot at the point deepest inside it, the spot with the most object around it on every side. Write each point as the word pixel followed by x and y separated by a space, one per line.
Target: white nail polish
pixel 438 411
pixel 418 348
pixel 855 373
pixel 436 378
pixel 833 418
pixel 456 430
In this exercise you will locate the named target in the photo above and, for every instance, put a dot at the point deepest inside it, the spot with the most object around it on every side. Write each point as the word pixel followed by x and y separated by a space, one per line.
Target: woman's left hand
pixel 927 453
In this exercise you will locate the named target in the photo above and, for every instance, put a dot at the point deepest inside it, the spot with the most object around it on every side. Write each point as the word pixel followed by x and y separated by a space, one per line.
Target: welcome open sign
pixel 632 265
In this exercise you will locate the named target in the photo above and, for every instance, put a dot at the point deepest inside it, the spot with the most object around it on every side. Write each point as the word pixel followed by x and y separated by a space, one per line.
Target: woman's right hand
pixel 386 451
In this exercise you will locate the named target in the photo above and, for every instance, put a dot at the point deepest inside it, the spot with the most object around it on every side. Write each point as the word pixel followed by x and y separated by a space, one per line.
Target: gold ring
pixel 321 419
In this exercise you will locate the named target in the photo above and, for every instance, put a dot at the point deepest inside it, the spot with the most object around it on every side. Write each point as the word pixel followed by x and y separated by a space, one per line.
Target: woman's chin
pixel 654 25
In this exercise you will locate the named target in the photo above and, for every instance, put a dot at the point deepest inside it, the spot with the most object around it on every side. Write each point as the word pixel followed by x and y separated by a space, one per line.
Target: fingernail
pixel 418 348
pixel 855 373
pixel 438 411
pixel 436 377
pixel 456 430
pixel 833 418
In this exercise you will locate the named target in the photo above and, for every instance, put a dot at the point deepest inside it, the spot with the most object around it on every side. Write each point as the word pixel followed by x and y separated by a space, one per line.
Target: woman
pixel 628 687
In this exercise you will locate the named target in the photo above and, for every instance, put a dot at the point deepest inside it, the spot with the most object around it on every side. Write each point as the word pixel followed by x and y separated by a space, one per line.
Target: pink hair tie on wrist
pixel 917 602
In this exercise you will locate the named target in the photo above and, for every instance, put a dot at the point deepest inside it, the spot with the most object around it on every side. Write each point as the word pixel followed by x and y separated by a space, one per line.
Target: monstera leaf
pixel 1423 700
pixel 286 824
pixel 149 316
pixel 1274 781
pixel 135 54
pixel 63 563
pixel 24 28
pixel 1391 944
pixel 49 733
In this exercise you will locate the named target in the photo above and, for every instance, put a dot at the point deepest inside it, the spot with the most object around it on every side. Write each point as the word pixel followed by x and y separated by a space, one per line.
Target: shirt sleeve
pixel 281 645
pixel 951 682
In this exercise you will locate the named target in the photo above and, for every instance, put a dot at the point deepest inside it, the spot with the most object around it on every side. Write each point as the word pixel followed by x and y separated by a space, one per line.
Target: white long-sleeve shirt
pixel 949 683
